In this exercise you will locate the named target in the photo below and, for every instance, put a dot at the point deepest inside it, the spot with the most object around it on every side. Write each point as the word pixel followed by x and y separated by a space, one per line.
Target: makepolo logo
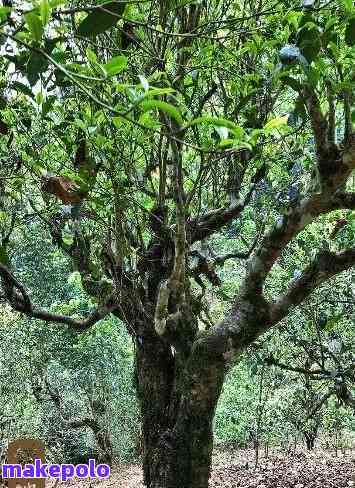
pixel 39 471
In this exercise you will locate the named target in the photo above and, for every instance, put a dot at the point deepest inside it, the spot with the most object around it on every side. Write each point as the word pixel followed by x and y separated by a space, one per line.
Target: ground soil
pixel 236 469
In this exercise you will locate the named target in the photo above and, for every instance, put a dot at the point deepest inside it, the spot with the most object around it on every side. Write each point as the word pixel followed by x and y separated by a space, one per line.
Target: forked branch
pixel 324 266
pixel 17 296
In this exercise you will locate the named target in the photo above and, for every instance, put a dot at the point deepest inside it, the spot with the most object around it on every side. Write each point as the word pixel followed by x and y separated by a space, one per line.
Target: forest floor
pixel 234 469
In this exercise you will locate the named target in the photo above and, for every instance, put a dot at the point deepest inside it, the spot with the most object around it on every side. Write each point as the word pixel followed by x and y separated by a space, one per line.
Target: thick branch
pixel 252 315
pixel 326 265
pixel 19 300
pixel 80 325
pixel 285 229
pixel 80 423
pixel 214 220
pixel 320 404
pixel 175 283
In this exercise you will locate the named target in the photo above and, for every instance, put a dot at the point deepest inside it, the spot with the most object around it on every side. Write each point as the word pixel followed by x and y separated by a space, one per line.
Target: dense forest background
pixel 177 230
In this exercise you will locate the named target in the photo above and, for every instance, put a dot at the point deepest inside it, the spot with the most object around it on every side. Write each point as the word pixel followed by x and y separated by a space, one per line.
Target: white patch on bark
pixel 230 353
pixel 161 310
pixel 279 223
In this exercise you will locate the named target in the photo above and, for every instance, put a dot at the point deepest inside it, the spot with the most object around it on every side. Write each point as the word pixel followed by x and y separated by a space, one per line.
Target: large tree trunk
pixel 178 396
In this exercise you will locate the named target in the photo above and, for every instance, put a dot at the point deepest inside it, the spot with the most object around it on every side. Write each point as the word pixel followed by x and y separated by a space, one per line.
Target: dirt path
pixel 235 470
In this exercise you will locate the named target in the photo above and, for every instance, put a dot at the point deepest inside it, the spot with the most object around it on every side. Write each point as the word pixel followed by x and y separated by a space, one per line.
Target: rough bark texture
pixel 178 400
pixel 310 438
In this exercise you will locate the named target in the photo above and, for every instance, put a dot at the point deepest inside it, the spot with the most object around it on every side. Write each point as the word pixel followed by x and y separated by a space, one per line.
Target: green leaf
pixel 45 12
pixel 56 3
pixel 349 5
pixel 47 105
pixel 218 122
pixel 300 109
pixel 226 143
pixel 350 32
pixel 39 98
pixel 243 145
pixel 165 107
pixel 309 42
pixel 34 25
pixel 4 12
pixel 155 92
pixel 313 76
pixel 36 65
pixel 20 87
pixel 148 121
pixel 293 83
pixel 117 122
pixel 276 123
pixel 79 123
pixel 68 240
pixel 115 65
pixel 100 21
pixel 332 322
pixel 91 56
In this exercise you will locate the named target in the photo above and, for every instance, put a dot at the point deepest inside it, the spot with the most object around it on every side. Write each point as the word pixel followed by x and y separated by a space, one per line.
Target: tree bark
pixel 310 438
pixel 104 442
pixel 178 397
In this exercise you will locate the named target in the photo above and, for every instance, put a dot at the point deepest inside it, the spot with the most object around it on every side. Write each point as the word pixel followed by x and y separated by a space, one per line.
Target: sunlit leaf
pixel 218 122
pixel 115 65
pixel 165 107
pixel 57 3
pixel 34 25
pixel 349 5
pixel 45 12
pixel 4 12
pixel 276 123
pixel 154 92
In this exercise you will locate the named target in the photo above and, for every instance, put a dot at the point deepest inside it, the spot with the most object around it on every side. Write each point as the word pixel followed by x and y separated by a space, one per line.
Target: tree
pixel 156 126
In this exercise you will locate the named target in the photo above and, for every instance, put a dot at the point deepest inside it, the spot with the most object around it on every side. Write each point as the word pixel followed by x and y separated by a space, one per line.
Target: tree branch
pixel 220 260
pixel 252 315
pixel 19 300
pixel 319 123
pixel 80 423
pixel 326 265
pixel 271 361
pixel 174 285
pixel 285 229
pixel 212 221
